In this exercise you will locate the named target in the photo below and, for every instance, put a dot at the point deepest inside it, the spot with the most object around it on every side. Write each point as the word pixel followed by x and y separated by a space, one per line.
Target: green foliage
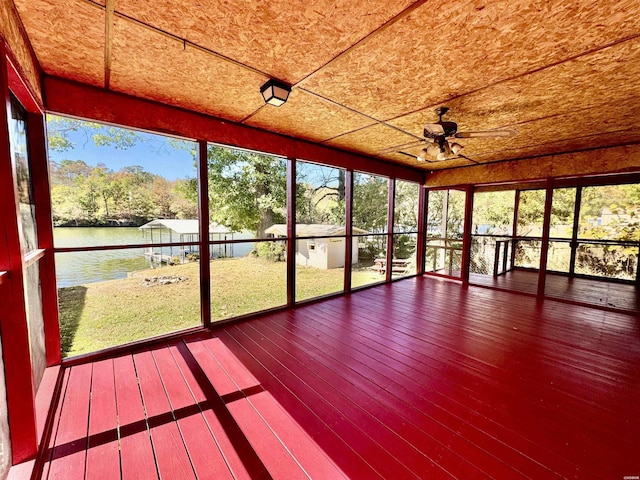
pixel 611 211
pixel 370 202
pixel 272 251
pixel 445 216
pixel 493 212
pixel 58 129
pixel 404 246
pixel 406 206
pixel 320 194
pixel 85 195
pixel 247 191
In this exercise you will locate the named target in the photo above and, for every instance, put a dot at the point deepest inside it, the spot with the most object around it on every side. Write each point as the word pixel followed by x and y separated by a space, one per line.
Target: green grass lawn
pixel 104 314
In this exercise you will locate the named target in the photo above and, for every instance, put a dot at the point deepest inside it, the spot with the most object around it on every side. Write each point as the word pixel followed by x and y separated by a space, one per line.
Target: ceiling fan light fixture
pixel 275 92
pixel 432 150
pixel 422 156
pixel 455 148
pixel 441 156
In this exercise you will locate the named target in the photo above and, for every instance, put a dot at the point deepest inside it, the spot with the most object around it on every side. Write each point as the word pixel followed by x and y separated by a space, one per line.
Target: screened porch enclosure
pixel 578 245
pixel 419 261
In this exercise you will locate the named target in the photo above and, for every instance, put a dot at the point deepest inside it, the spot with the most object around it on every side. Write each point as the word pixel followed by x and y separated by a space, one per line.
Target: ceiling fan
pixel 437 136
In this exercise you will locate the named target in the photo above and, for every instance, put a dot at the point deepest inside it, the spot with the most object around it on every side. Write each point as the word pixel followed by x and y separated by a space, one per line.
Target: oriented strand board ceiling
pixel 564 75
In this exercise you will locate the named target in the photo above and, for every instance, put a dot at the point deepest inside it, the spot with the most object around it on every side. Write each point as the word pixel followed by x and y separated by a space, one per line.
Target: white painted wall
pixel 324 252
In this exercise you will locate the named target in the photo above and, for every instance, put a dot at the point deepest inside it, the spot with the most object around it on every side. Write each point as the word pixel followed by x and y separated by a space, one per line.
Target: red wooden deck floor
pixel 600 293
pixel 418 379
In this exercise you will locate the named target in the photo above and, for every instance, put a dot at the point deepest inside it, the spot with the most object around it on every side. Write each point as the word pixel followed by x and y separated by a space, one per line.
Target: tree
pixel 247 190
pixel 320 194
pixel 59 128
pixel 370 202
pixel 493 212
pixel 184 201
pixel 406 206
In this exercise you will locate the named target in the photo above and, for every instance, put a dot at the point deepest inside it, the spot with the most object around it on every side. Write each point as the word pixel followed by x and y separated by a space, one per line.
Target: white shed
pixel 326 250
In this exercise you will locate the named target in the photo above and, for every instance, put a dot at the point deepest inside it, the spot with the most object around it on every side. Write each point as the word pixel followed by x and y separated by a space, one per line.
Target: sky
pixel 158 154
pixel 153 152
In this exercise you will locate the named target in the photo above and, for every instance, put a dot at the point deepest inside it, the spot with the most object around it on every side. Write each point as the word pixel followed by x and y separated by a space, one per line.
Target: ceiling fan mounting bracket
pixel 440 111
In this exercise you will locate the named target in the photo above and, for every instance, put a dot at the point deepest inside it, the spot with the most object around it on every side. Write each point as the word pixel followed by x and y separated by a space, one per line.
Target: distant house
pixel 323 251
pixel 162 230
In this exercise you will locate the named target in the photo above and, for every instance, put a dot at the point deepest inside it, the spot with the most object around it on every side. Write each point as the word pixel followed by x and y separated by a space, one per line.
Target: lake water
pixel 78 268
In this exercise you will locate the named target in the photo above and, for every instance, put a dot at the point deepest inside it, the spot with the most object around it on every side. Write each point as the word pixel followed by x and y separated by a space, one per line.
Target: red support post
pixel 422 230
pixel 348 241
pixel 203 216
pixel 390 222
pixel 514 228
pixel 546 228
pixel 42 198
pixel 291 231
pixel 574 231
pixel 466 235
pixel 13 317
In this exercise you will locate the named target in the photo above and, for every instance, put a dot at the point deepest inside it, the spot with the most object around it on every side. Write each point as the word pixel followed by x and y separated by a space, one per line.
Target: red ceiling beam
pixel 84 101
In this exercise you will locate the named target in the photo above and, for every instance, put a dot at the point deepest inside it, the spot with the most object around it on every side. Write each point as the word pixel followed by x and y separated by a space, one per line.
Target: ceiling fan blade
pixel 486 134
pixel 434 128
pixel 396 148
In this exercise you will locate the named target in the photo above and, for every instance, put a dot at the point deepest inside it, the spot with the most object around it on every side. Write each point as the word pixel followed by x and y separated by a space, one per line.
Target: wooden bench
pixel 397 265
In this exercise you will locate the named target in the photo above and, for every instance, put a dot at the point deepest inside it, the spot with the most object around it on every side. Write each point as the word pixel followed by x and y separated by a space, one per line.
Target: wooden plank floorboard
pixel 368 375
pixel 206 458
pixel 357 411
pixel 587 291
pixel 529 371
pixel 453 397
pixel 421 378
pixel 604 388
pixel 427 437
pixel 620 452
pixel 310 457
pixel 103 456
pixel 318 422
pixel 234 447
pixel 69 454
pixel 355 426
pixel 55 425
pixel 302 448
pixel 523 369
pixel 585 417
pixel 136 452
pixel 170 452
pixel 273 453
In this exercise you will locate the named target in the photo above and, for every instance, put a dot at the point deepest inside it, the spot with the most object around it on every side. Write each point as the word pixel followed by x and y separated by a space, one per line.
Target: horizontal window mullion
pixel 94 248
